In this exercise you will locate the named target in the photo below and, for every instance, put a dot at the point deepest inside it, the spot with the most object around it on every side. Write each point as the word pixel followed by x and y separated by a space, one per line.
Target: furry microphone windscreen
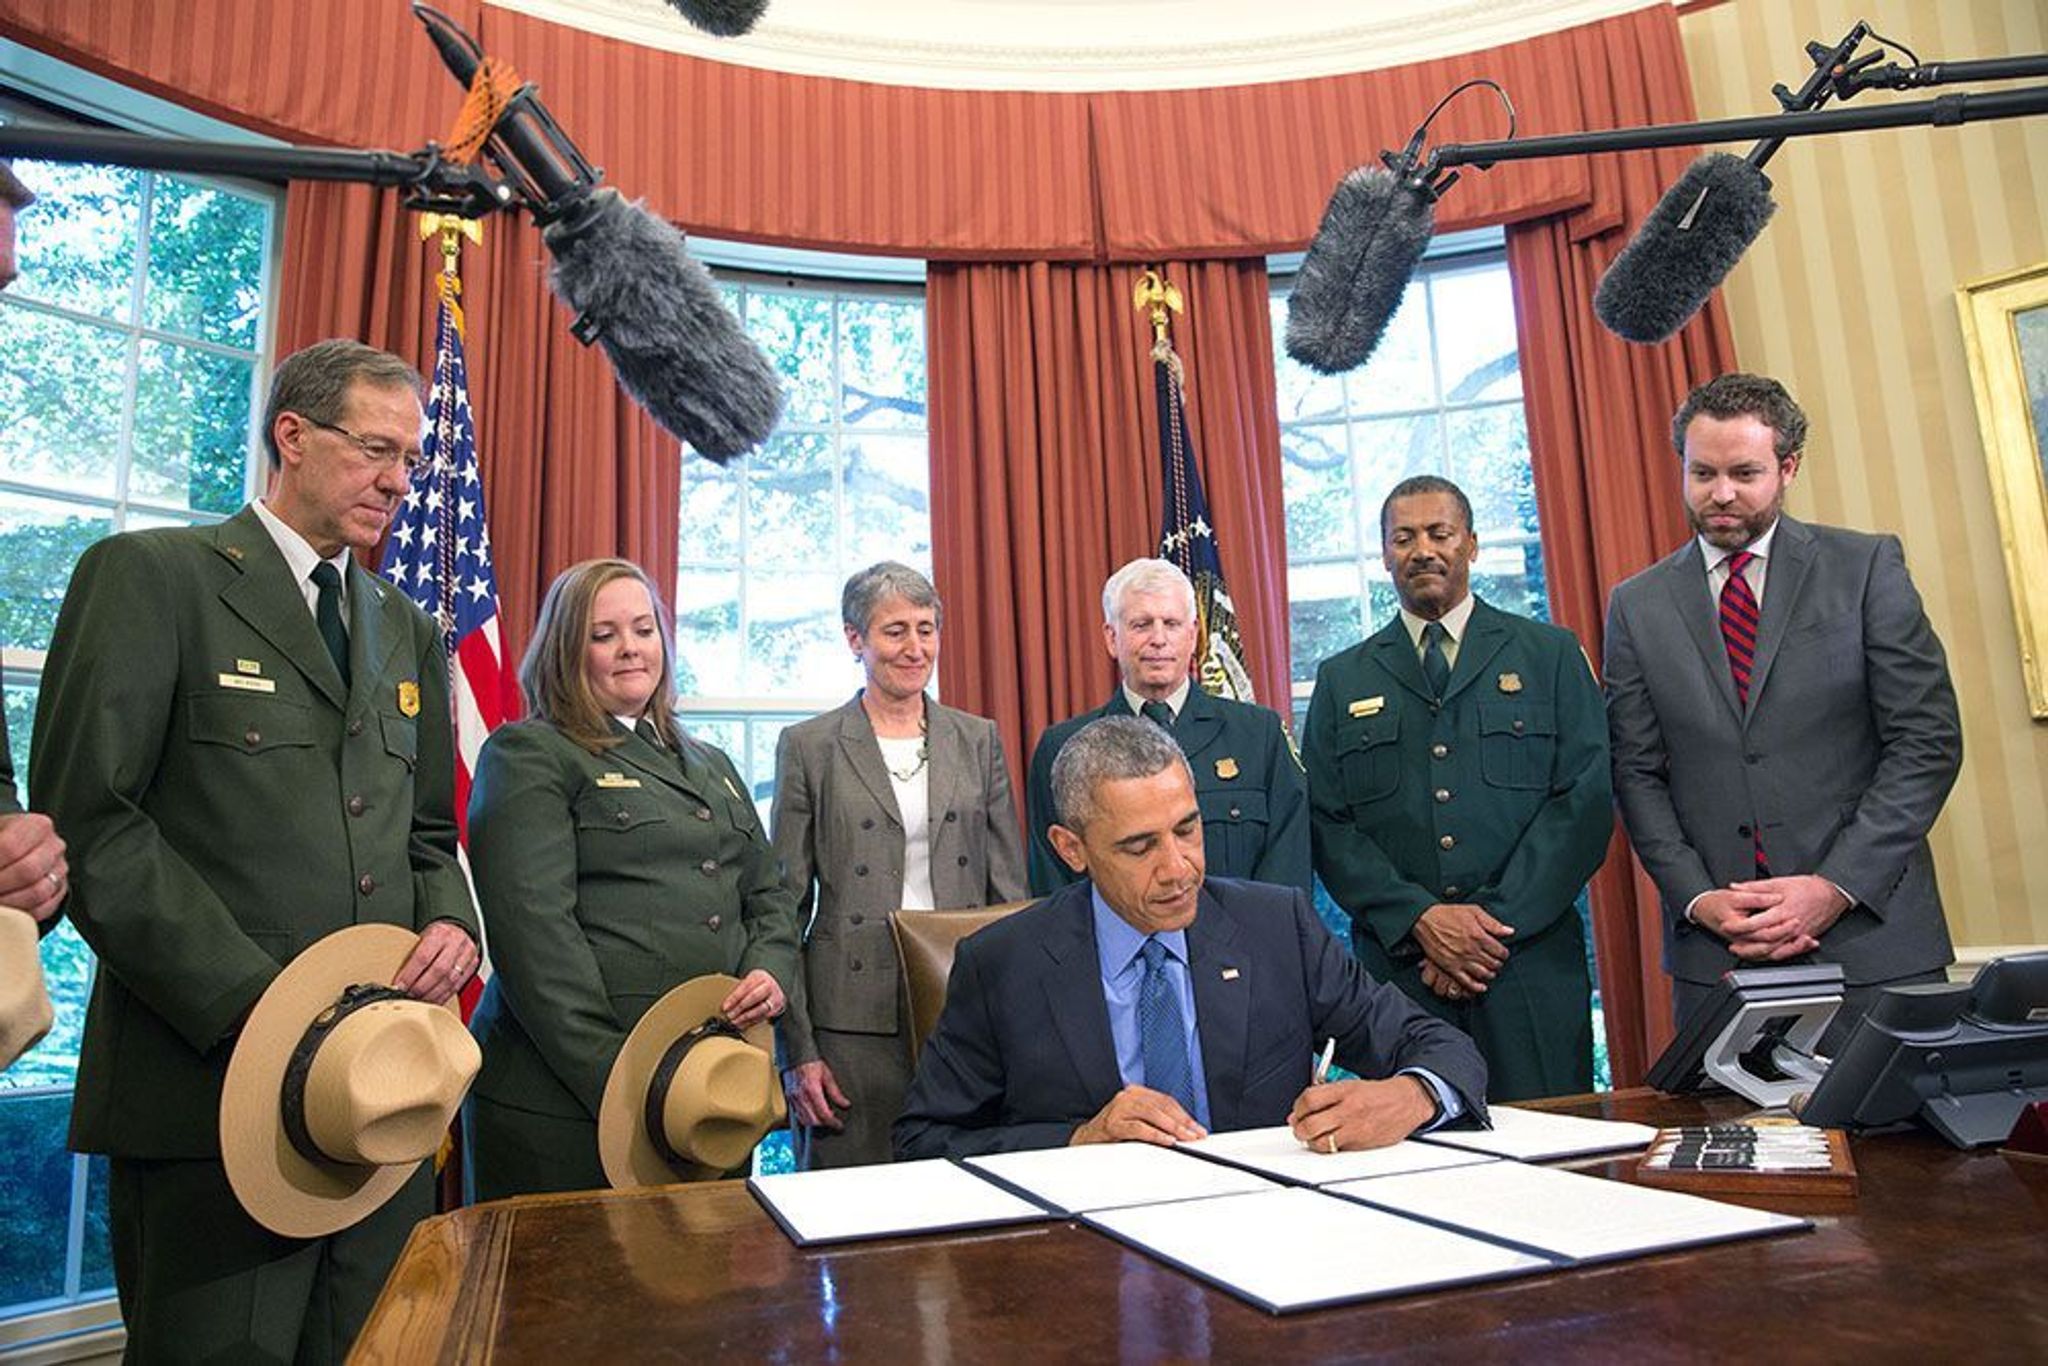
pixel 1685 248
pixel 725 18
pixel 1372 236
pixel 675 346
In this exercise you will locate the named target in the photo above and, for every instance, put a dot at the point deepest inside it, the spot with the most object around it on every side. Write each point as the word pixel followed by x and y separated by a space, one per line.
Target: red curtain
pixel 1607 489
pixel 1046 472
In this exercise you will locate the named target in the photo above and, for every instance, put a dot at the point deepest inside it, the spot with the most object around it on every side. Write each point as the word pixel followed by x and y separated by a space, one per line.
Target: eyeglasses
pixel 379 453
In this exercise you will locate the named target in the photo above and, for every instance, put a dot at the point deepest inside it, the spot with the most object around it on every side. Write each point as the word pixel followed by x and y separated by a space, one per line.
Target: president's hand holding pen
pixel 1330 1116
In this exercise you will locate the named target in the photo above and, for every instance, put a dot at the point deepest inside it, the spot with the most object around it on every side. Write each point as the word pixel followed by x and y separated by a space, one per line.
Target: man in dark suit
pixel 1147 1004
pixel 1783 726
pixel 246 739
pixel 1247 776
pixel 1458 780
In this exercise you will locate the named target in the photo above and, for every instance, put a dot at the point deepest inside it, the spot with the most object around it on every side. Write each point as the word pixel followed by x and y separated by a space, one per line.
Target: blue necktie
pixel 1162 1035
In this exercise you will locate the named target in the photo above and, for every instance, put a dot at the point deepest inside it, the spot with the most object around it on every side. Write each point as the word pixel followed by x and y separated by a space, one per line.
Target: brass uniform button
pixel 355 726
pixel 1448 842
pixel 252 736
pixel 709 867
pixel 1439 750
pixel 366 884
pixel 1443 794
pixel 703 813
pixel 715 921
pixel 355 806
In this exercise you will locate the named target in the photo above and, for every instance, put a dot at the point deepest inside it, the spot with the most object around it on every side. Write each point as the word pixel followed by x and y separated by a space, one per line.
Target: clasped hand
pixel 1463 948
pixel 1774 918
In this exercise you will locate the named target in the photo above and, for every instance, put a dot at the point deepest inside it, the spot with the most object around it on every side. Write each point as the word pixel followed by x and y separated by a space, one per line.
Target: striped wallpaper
pixel 1849 298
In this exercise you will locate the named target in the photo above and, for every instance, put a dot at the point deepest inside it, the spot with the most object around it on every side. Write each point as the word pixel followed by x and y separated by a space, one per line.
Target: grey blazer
pixel 1844 755
pixel 840 836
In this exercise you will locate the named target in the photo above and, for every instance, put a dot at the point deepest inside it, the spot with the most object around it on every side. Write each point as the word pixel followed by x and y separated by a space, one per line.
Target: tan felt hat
pixel 689 1096
pixel 25 1013
pixel 339 1086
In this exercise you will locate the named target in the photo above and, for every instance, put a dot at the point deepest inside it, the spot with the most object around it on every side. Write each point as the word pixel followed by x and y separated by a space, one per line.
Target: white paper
pixel 1564 1213
pixel 1538 1135
pixel 887 1199
pixel 1294 1248
pixel 1277 1152
pixel 1108 1175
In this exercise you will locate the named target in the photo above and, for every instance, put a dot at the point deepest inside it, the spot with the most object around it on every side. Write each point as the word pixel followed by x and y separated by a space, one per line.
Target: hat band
pixel 291 1097
pixel 665 1073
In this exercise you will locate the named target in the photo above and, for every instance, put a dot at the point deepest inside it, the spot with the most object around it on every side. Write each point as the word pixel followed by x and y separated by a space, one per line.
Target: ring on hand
pixel 1331 1139
pixel 56 883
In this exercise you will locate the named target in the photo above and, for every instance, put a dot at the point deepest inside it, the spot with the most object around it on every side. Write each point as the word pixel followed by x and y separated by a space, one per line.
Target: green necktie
pixel 1436 666
pixel 1159 714
pixel 327 615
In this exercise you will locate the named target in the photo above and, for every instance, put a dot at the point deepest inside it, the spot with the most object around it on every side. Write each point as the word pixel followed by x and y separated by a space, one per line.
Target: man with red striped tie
pixel 1783 727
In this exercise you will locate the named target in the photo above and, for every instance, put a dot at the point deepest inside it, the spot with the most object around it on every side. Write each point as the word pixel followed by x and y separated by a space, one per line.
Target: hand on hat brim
pixel 758 997
pixel 445 959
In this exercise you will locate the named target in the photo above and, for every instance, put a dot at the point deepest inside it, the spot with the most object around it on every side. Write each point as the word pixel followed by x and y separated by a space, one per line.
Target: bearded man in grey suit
pixel 1783 726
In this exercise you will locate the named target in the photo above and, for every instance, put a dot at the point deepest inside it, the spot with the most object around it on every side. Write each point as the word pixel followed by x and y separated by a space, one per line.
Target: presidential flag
pixel 1187 538
pixel 439 553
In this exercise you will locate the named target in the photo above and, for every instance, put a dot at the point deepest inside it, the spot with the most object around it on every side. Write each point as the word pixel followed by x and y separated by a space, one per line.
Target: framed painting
pixel 2005 334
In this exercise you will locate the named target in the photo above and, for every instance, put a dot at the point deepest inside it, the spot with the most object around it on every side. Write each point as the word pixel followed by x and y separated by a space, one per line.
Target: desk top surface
pixel 1941 1251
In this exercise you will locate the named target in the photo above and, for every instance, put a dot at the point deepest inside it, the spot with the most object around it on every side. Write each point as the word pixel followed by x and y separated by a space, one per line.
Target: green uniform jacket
pixel 1501 797
pixel 226 804
pixel 605 880
pixel 1247 781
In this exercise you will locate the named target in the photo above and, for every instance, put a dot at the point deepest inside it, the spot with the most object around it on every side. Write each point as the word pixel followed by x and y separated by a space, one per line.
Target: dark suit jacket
pixel 605 880
pixel 1844 755
pixel 227 802
pixel 1248 782
pixel 840 838
pixel 1023 1055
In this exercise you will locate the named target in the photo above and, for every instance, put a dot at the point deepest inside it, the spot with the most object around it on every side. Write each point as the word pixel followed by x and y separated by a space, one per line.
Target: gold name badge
pixel 1510 682
pixel 409 698
pixel 249 666
pixel 1226 767
pixel 616 780
pixel 248 684
pixel 1368 706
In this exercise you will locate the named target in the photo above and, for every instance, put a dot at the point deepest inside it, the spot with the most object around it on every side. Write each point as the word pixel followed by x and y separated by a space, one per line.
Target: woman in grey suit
pixel 890 801
pixel 615 857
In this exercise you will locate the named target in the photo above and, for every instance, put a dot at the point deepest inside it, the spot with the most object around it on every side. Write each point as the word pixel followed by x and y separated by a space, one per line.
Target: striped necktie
pixel 1738 633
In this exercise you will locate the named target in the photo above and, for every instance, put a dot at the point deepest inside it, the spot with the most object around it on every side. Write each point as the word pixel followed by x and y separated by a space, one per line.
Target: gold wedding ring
pixel 1331 1139
pixel 56 885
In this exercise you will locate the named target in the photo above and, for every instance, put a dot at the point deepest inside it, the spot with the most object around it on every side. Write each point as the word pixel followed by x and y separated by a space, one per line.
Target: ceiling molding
pixel 1075 45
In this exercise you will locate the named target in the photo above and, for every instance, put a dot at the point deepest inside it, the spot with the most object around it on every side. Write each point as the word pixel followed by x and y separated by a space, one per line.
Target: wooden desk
pixel 1943 1255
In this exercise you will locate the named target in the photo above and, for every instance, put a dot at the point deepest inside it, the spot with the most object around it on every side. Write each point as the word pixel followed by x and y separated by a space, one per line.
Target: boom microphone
pixel 677 350
pixel 1373 234
pixel 1685 248
pixel 675 346
pixel 725 18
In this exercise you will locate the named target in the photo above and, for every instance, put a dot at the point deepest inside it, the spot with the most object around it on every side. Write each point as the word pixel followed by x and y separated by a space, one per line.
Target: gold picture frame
pixel 2005 335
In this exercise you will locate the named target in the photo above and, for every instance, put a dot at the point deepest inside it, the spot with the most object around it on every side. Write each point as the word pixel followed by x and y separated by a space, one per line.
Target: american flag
pixel 1187 539
pixel 439 553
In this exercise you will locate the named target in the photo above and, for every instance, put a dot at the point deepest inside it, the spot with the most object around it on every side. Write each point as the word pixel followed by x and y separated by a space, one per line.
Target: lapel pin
pixel 1226 767
pixel 1368 706
pixel 616 780
pixel 249 666
pixel 1510 682
pixel 409 698
pixel 233 552
pixel 1230 974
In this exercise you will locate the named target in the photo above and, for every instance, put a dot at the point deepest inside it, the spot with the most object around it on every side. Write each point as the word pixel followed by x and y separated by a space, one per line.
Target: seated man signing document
pixel 1145 1003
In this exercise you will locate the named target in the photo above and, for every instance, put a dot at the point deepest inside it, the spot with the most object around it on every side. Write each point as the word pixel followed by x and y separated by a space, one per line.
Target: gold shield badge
pixel 1510 682
pixel 1226 767
pixel 409 698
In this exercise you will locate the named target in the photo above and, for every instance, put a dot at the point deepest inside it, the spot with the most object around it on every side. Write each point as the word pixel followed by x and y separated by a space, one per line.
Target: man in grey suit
pixel 1783 726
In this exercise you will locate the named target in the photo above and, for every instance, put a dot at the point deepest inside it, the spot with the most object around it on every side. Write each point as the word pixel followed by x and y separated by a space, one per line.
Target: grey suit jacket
pixel 1843 757
pixel 840 837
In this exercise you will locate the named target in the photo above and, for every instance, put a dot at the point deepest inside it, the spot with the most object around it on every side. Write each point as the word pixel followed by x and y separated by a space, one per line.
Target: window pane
pixel 205 263
pixel 1315 482
pixel 96 1266
pixel 77 241
pixel 40 539
pixel 1323 613
pixel 1490 461
pixel 796 332
pixel 794 644
pixel 708 633
pixel 21 720
pixel 1303 392
pixel 882 362
pixel 791 514
pixel 888 501
pixel 710 524
pixel 192 413
pixel 1387 450
pixel 1475 342
pixel 1511 578
pixel 35 1196
pixel 61 387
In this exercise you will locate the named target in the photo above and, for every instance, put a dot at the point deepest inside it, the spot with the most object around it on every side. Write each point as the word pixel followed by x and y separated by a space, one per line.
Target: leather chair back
pixel 925 941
